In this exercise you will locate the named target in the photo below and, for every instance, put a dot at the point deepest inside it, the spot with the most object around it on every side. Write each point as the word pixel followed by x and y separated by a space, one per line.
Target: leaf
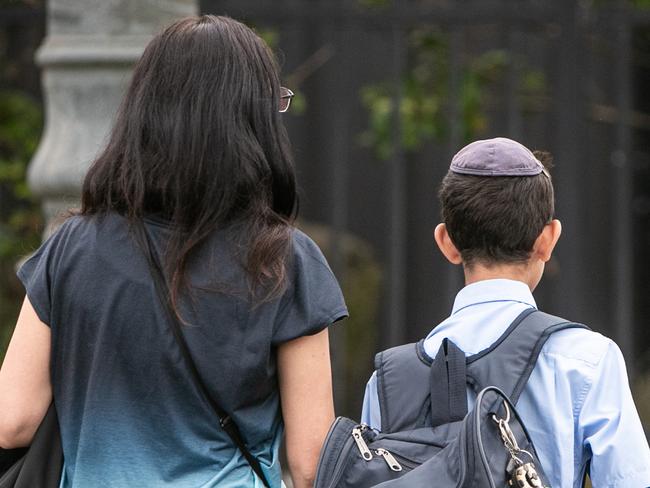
pixel 424 109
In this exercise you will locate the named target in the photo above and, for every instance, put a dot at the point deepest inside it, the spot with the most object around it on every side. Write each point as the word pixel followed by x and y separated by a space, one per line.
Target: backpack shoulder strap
pixel 508 363
pixel 402 380
pixel 404 372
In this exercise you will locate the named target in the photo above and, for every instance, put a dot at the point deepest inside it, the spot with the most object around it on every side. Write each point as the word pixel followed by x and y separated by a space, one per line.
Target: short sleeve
pixel 313 299
pixel 37 272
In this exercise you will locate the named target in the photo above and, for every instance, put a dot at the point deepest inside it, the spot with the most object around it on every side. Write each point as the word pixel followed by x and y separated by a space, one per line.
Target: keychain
pixel 520 474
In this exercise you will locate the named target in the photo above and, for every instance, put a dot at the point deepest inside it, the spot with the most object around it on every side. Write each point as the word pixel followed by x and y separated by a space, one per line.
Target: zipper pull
pixel 389 458
pixel 361 444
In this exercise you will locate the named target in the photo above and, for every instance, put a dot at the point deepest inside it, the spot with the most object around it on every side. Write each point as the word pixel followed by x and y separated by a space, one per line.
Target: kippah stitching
pixel 522 171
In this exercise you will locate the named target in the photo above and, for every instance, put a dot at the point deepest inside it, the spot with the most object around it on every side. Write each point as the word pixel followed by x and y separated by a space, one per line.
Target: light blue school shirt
pixel 577 405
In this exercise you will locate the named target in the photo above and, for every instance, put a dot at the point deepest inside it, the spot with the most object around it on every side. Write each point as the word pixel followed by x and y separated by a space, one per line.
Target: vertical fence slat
pixel 397 230
pixel 568 115
pixel 622 248
pixel 454 276
pixel 339 201
pixel 339 148
pixel 515 123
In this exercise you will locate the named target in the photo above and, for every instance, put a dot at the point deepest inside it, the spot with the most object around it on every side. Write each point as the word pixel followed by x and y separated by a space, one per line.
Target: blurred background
pixel 387 91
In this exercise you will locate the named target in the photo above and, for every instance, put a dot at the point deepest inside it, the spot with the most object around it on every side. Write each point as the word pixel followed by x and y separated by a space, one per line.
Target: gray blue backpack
pixel 428 438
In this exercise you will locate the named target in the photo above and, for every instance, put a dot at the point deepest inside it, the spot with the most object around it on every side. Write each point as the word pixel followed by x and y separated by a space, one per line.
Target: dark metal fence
pixel 589 64
pixel 589 112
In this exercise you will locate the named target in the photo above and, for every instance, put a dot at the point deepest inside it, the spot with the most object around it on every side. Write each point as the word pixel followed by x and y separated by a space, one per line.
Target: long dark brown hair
pixel 199 140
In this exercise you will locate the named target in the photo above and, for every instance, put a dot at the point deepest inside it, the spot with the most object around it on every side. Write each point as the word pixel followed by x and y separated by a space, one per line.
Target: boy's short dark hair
pixel 496 219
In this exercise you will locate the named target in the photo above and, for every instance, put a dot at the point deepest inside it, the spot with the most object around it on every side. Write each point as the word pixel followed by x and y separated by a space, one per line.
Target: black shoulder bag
pixel 226 422
pixel 38 465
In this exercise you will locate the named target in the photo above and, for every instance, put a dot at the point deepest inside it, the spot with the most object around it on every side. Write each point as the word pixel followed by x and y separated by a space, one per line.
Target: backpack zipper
pixel 361 443
pixel 341 458
pixel 344 459
pixel 393 464
pixel 368 455
pixel 475 432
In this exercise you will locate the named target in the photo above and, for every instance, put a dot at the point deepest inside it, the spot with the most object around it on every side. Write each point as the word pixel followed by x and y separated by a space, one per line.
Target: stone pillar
pixel 86 58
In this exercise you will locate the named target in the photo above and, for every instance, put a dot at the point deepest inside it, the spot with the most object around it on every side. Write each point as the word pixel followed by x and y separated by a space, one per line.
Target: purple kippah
pixel 496 157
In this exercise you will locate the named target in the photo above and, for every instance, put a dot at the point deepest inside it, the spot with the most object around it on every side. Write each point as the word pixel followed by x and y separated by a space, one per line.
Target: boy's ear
pixel 445 244
pixel 547 239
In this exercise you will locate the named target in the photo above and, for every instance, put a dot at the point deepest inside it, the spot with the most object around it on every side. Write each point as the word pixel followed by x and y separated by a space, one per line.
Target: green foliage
pixel 270 36
pixel 21 222
pixel 426 93
pixel 298 103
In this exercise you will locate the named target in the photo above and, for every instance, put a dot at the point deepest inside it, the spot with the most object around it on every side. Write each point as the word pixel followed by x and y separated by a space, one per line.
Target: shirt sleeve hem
pixel 340 314
pixel 316 326
pixel 320 325
pixel 41 312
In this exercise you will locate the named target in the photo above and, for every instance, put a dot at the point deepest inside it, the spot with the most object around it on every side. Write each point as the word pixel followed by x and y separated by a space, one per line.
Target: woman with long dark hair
pixel 195 187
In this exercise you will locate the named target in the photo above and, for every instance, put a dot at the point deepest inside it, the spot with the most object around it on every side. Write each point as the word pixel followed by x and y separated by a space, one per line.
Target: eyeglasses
pixel 285 98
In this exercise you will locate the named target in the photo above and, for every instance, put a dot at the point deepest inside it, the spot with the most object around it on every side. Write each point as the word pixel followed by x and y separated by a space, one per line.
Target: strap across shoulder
pixel 402 386
pixel 508 363
pixel 407 383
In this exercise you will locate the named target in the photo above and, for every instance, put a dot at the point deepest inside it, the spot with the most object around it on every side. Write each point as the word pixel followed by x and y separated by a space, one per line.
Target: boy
pixel 497 209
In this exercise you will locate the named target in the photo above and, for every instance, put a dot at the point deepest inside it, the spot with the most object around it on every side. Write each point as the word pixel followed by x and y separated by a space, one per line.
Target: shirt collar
pixel 499 290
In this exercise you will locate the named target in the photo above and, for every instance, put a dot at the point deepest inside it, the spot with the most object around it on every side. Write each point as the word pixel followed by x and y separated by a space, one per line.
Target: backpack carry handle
pixel 448 385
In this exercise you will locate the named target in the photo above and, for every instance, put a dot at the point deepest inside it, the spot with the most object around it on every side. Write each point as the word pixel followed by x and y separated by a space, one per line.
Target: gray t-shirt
pixel 129 413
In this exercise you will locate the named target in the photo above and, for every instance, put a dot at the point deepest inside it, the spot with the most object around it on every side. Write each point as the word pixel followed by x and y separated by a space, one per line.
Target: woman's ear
pixel 446 245
pixel 547 239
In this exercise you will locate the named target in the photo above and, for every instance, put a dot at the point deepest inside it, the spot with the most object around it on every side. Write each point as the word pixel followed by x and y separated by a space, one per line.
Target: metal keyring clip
pixel 507 419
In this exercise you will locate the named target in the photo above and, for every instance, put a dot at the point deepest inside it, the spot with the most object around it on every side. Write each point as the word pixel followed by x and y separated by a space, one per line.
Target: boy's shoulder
pixel 582 345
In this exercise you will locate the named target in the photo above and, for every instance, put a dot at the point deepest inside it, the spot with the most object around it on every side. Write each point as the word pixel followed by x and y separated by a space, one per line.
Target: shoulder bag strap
pixel 225 420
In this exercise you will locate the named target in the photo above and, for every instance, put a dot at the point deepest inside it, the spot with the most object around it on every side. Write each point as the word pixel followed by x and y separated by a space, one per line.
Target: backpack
pixel 428 436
